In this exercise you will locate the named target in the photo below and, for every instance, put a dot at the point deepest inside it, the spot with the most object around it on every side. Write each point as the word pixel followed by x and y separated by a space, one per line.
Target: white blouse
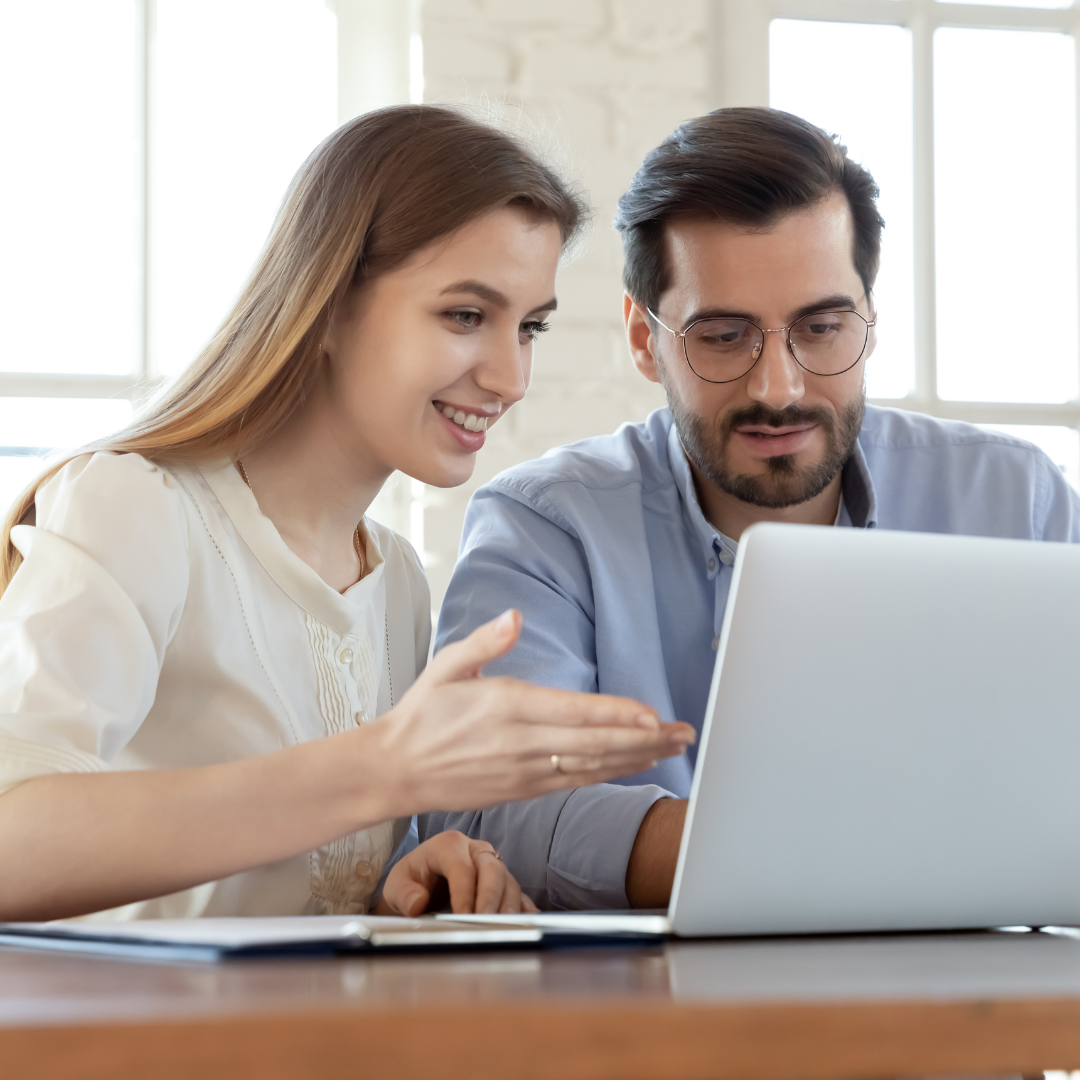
pixel 160 621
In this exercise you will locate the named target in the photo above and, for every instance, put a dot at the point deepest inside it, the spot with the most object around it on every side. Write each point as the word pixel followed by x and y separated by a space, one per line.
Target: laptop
pixel 892 739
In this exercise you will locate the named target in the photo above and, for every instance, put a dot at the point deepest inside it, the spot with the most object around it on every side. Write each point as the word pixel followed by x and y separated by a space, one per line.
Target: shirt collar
pixel 860 498
pixel 859 506
pixel 295 578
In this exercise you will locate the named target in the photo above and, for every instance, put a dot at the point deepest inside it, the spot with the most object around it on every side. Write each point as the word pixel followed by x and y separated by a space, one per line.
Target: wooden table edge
pixel 573 1040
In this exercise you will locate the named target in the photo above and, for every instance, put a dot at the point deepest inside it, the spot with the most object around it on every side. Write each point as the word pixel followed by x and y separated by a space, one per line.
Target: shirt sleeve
pixel 569 849
pixel 1060 517
pixel 87 617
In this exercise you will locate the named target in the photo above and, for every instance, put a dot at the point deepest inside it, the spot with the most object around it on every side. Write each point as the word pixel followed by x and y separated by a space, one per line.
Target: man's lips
pixel 760 440
pixel 772 432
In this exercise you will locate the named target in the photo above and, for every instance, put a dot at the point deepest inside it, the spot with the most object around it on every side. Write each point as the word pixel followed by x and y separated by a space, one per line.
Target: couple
pixel 213 694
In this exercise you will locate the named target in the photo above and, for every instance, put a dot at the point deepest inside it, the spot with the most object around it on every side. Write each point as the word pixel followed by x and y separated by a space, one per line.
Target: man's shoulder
pixel 898 431
pixel 634 456
pixel 936 475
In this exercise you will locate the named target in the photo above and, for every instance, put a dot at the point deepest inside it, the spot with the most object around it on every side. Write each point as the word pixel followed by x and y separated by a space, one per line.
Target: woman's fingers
pixel 526 703
pixel 465 659
pixel 599 747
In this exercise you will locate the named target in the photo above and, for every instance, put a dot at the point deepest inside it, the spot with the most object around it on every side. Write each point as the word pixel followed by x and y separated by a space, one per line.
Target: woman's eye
pixel 467 320
pixel 534 327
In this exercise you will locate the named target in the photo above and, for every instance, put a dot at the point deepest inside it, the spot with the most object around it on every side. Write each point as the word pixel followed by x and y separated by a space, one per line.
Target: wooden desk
pixel 859 1007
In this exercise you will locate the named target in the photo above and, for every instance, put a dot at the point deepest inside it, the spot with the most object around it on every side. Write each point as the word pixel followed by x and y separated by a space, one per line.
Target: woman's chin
pixel 445 473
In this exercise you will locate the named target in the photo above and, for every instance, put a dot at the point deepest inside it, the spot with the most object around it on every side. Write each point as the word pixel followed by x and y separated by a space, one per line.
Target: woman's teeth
pixel 467 420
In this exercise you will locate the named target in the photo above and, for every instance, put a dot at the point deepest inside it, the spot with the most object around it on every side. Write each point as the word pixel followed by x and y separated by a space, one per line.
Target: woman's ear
pixel 639 337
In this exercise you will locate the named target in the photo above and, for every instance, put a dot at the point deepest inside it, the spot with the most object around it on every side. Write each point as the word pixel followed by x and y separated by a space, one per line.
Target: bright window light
pixel 813 67
pixel 69 221
pixel 416 69
pixel 244 90
pixel 1005 213
pixel 1020 4
pixel 31 428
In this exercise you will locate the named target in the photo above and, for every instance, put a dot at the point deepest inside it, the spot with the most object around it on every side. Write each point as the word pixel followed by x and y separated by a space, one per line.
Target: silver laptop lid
pixel 892 739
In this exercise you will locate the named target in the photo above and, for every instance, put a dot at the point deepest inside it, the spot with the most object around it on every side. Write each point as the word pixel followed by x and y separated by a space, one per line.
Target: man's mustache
pixel 761 415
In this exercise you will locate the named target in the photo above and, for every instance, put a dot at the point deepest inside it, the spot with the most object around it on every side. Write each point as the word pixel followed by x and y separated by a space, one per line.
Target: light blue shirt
pixel 623 583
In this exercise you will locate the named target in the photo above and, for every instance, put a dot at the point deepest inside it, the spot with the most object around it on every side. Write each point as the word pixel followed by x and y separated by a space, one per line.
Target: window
pixel 147 146
pixel 966 116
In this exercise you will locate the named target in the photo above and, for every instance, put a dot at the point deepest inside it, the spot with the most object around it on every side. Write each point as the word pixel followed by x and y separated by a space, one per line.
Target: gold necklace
pixel 357 539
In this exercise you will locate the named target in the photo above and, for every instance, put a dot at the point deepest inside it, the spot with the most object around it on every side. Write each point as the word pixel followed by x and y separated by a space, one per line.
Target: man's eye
pixel 534 327
pixel 467 320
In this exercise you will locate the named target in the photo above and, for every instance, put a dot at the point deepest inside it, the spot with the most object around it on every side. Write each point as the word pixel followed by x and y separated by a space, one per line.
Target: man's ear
pixel 640 338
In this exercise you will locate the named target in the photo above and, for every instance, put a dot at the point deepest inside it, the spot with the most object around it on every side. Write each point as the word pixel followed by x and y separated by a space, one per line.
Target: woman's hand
pixel 457 741
pixel 477 879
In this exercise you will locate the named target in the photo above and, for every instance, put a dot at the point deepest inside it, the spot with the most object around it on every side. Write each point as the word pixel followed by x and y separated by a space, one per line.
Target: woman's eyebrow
pixel 492 296
pixel 478 288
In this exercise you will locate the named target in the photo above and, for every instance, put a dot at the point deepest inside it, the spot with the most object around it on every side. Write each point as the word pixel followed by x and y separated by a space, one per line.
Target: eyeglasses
pixel 723 350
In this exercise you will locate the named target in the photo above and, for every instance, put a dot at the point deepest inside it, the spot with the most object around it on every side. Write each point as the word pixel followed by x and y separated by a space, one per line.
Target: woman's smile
pixel 466 423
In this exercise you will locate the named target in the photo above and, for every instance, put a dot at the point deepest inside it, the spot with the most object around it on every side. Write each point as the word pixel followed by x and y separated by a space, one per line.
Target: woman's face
pixel 428 356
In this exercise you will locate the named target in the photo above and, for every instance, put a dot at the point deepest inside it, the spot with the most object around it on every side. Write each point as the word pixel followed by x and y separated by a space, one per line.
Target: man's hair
pixel 746 166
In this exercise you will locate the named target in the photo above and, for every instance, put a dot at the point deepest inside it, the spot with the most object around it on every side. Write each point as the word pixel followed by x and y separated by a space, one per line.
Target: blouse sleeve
pixel 87 617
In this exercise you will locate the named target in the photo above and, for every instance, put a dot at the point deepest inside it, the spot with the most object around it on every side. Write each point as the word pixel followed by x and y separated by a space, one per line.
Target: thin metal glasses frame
pixel 763 330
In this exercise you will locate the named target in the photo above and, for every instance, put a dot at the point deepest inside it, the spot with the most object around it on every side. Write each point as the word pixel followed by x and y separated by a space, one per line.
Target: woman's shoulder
pixel 108 476
pixel 115 502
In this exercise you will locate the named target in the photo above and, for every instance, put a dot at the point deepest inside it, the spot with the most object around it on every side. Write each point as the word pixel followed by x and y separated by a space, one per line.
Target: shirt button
pixel 715 644
pixel 726 557
pixel 362 868
pixel 711 565
pixel 345 656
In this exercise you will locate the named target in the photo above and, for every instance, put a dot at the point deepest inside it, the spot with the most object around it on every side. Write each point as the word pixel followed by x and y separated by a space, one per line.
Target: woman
pixel 197 636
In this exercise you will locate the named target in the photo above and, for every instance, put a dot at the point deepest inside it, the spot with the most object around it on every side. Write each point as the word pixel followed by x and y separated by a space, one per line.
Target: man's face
pixel 779 435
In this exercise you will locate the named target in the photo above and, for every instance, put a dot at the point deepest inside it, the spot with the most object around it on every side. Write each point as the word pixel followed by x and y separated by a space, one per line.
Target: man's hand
pixel 477 879
pixel 650 872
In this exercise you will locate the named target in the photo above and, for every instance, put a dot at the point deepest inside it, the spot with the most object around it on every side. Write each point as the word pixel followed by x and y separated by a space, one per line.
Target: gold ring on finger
pixel 556 763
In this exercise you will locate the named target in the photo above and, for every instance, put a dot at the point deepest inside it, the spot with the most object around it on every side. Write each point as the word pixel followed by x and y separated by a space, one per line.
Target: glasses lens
pixel 829 342
pixel 721 350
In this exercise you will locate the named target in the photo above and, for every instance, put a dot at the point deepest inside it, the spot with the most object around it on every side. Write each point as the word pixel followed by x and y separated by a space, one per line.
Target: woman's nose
pixel 505 370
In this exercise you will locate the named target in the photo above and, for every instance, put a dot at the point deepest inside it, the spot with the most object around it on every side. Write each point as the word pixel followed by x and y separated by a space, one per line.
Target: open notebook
pixel 315 935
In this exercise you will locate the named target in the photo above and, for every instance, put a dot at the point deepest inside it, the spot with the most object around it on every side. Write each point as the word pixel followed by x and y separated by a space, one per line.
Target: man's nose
pixel 776 379
pixel 505 368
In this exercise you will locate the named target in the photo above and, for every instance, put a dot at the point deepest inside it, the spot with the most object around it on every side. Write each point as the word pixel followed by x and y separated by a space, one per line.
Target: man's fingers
pixel 408 886
pixel 413 901
pixel 465 659
pixel 491 879
pixel 460 873
pixel 511 898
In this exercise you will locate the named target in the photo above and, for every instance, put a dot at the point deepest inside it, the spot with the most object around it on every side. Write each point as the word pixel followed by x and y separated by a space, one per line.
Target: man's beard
pixel 783 483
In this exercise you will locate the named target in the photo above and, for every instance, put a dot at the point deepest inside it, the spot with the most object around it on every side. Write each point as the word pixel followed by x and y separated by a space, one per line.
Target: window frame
pixel 740 64
pixel 373 70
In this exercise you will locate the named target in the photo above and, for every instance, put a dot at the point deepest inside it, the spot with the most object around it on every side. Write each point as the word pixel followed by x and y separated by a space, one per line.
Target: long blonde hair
pixel 374 192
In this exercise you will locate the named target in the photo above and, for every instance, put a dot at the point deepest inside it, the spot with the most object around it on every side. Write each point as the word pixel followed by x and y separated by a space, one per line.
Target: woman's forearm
pixel 75 843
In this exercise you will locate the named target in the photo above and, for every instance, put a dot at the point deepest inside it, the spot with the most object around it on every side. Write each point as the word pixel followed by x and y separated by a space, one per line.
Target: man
pixel 751 244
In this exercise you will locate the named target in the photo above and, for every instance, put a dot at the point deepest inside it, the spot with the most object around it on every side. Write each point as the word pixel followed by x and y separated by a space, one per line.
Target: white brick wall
pixel 598 83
